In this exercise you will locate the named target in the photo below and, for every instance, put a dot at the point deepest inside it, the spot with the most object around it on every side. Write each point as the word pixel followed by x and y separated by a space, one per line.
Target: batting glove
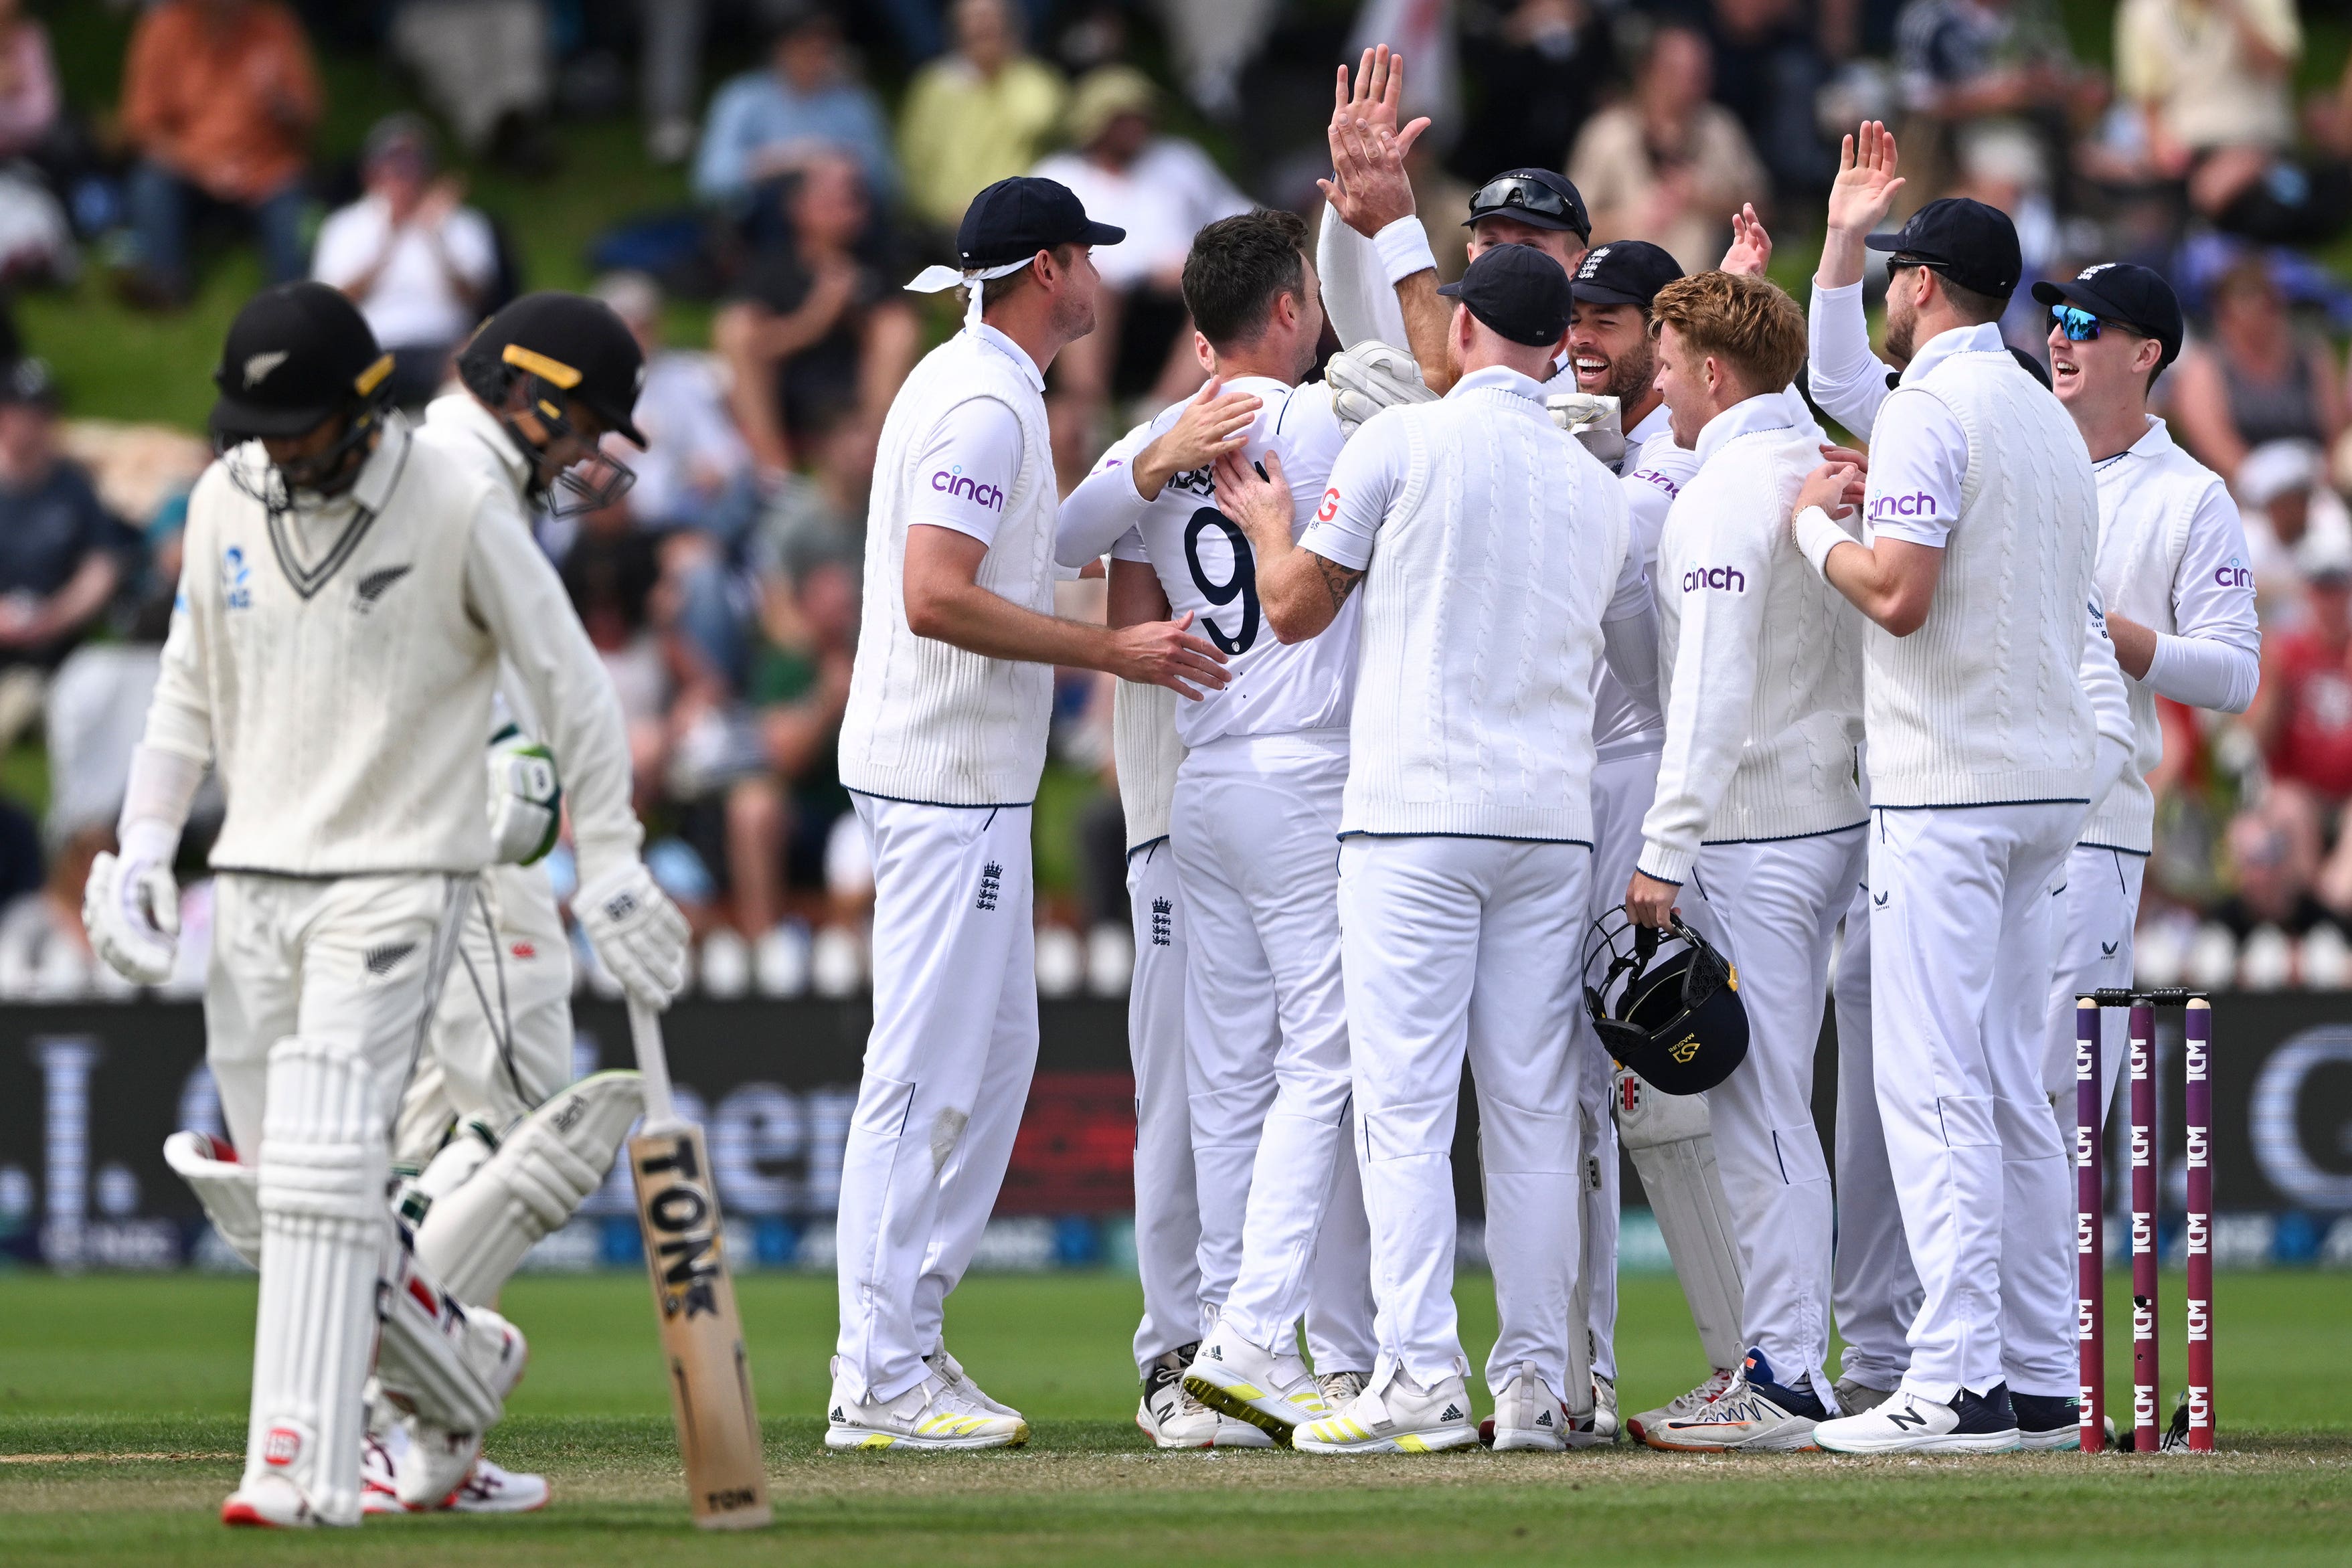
pixel 131 908
pixel 637 932
pixel 1369 377
pixel 1595 420
pixel 526 798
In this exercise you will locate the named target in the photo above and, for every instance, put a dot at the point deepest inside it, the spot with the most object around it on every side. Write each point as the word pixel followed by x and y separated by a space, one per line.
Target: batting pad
pixel 323 1172
pixel 1672 1147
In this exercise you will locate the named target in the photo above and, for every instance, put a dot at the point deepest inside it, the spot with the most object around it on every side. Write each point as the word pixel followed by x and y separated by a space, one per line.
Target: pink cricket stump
pixel 2145 1434
pixel 2090 1229
pixel 2198 1104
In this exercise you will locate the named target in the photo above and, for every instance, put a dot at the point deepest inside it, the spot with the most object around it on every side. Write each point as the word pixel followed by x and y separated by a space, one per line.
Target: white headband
pixel 935 279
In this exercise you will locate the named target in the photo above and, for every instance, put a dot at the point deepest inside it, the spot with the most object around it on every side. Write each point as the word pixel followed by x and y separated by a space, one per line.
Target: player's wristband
pixel 1817 534
pixel 1403 248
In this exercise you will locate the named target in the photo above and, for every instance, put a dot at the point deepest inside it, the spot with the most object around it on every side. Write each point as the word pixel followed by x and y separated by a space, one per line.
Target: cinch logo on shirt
pixel 1919 504
pixel 1330 506
pixel 955 482
pixel 1660 480
pixel 2233 575
pixel 1730 579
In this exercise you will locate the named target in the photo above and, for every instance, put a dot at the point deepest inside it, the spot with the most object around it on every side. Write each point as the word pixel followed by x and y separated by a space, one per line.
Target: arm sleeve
pixel 1650 484
pixel 1709 705
pixel 513 590
pixel 1102 511
pixel 1846 379
pixel 2103 678
pixel 1629 626
pixel 1918 462
pixel 965 470
pixel 2215 659
pixel 1368 477
pixel 179 715
pixel 1356 288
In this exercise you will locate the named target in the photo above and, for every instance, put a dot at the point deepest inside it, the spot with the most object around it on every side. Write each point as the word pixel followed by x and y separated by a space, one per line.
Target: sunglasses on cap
pixel 1495 197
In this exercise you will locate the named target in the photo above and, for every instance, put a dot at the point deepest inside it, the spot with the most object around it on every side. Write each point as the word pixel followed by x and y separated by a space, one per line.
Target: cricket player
pixel 1995 715
pixel 1493 553
pixel 1255 814
pixel 1756 829
pixel 942 746
pixel 348 594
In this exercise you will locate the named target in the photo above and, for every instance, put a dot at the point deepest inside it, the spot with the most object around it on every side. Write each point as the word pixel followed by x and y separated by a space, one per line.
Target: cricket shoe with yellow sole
pixel 1250 1383
pixel 1682 1405
pixel 1173 1418
pixel 1757 1414
pixel 952 1373
pixel 1398 1417
pixel 932 1415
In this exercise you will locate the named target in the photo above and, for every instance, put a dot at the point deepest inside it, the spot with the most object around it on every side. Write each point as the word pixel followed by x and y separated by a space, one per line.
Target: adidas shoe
pixel 1528 1415
pixel 2047 1422
pixel 1252 1384
pixel 1853 1397
pixel 1757 1414
pixel 932 1415
pixel 1906 1424
pixel 1682 1405
pixel 1173 1418
pixel 1400 1418
pixel 952 1373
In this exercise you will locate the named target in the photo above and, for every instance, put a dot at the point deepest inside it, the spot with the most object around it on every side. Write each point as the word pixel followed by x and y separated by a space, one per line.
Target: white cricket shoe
pixel 1252 1384
pixel 1603 1426
pixel 1682 1405
pixel 1339 1388
pixel 271 1502
pixel 1756 1414
pixel 488 1489
pixel 440 1458
pixel 1173 1418
pixel 1400 1417
pixel 952 1373
pixel 1855 1397
pixel 1529 1415
pixel 1906 1424
pixel 932 1415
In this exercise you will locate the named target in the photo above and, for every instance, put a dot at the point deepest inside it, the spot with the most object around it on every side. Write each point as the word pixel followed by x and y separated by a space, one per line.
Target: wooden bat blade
pixel 701 1329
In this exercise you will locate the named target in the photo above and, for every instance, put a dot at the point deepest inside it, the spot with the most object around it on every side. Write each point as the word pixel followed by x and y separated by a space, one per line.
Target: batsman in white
pixel 348 594
pixel 1494 555
pixel 1253 824
pixel 1756 826
pixel 1995 715
pixel 943 747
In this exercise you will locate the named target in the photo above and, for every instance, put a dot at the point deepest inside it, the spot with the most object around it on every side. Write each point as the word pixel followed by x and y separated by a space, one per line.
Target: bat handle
pixel 653 1063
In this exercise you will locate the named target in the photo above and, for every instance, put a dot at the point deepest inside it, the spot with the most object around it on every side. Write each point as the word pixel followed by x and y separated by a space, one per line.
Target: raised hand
pixel 1751 247
pixel 1866 185
pixel 1368 187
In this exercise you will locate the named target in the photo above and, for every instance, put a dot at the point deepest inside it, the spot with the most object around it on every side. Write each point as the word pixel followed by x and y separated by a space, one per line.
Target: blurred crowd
pixel 723 589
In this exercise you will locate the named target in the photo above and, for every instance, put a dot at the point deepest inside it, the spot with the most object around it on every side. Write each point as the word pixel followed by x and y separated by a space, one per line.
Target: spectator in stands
pixel 60 549
pixel 488 67
pixel 29 100
pixel 1669 166
pixel 815 327
pixel 976 116
pixel 1768 68
pixel 2302 712
pixel 612 572
pixel 1538 67
pixel 219 97
pixel 818 518
pixel 1964 59
pixel 417 262
pixel 697 472
pixel 769 122
pixel 2274 863
pixel 2255 379
pixel 2289 515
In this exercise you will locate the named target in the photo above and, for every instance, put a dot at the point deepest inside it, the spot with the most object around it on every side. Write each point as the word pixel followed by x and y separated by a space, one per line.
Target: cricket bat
pixel 694 1301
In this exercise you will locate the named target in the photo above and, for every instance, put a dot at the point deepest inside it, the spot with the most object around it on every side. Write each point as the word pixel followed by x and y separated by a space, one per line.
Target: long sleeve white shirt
pixel 1848 381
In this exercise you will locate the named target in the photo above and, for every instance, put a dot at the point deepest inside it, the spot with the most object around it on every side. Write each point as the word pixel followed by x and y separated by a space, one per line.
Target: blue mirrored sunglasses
pixel 2079 325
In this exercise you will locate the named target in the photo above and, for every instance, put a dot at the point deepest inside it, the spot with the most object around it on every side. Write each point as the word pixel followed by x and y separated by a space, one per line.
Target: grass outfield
pixel 122 1419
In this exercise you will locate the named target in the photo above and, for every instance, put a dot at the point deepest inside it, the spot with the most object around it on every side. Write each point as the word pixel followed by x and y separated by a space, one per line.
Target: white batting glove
pixel 1369 377
pixel 131 908
pixel 526 798
pixel 637 931
pixel 1595 420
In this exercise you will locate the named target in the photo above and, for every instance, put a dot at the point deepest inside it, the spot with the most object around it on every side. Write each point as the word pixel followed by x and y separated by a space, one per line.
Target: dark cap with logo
pixel 1973 245
pixel 1015 219
pixel 2135 299
pixel 575 344
pixel 296 356
pixel 1518 292
pixel 1538 198
pixel 1624 272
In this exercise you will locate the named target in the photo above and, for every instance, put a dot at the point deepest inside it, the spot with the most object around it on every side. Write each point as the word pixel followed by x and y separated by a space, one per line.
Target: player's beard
pixel 1631 376
pixel 1902 324
pixel 1073 315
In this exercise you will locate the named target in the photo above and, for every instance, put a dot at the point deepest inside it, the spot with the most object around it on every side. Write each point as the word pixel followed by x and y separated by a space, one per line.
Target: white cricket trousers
pixel 1875 1288
pixel 2098 909
pixel 1772 909
pixel 1254 823
pixel 1167 1205
pixel 1963 940
pixel 1461 947
pixel 946 1075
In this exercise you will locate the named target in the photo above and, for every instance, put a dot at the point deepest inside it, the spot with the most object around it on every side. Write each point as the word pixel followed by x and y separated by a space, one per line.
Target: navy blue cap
pixel 2134 297
pixel 1973 245
pixel 1538 198
pixel 1625 272
pixel 1015 219
pixel 1518 292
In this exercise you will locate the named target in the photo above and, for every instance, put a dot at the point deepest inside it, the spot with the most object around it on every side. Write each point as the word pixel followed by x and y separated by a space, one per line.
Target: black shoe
pixel 2048 1420
pixel 1168 1371
pixel 1991 1411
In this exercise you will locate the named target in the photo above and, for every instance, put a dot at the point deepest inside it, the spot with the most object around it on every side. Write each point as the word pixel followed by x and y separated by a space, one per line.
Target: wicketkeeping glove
pixel 526 797
pixel 1595 422
pixel 131 908
pixel 1369 377
pixel 637 931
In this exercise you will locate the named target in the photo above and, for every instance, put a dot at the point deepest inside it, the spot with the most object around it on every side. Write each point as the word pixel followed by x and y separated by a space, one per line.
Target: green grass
pixel 138 1386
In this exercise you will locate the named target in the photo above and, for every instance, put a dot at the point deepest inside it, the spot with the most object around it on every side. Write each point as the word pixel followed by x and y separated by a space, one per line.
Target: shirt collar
pixel 466 413
pixel 1746 417
pixel 2156 441
pixel 1013 352
pixel 1984 337
pixel 1658 421
pixel 1501 378
pixel 382 470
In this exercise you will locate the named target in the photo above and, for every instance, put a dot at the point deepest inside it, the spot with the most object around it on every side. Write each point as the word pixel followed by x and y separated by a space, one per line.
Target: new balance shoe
pixel 2047 1422
pixel 1173 1418
pixel 1908 1423
pixel 1757 1414
pixel 1528 1415
pixel 1252 1384
pixel 932 1415
pixel 952 1373
pixel 1400 1417
pixel 1681 1405
pixel 1853 1397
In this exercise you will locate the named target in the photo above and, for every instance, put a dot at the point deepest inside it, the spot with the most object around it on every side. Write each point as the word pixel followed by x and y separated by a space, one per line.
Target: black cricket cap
pixel 1973 245
pixel 2134 297
pixel 578 345
pixel 1540 198
pixel 297 355
pixel 1624 272
pixel 1518 292
pixel 1015 219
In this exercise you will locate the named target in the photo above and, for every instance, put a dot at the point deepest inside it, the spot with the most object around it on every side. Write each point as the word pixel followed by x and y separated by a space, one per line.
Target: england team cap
pixel 1624 272
pixel 1973 245
pixel 1518 292
pixel 2134 297
pixel 1013 219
